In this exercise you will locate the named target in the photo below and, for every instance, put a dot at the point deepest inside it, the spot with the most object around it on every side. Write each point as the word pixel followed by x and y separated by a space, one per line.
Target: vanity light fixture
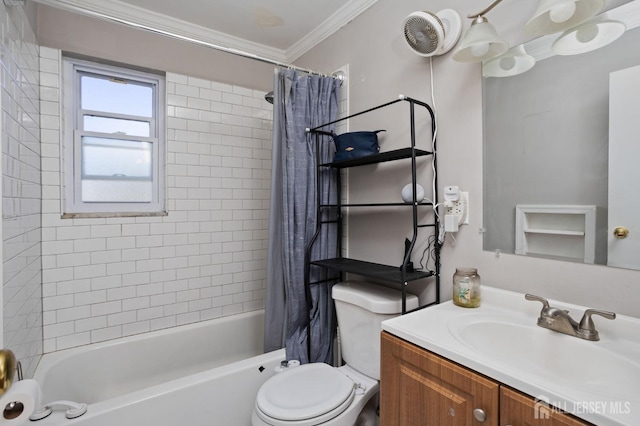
pixel 515 61
pixel 553 16
pixel 573 18
pixel 481 42
pixel 588 36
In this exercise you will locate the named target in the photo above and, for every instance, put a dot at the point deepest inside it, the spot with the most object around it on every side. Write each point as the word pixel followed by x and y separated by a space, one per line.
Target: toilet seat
pixel 309 394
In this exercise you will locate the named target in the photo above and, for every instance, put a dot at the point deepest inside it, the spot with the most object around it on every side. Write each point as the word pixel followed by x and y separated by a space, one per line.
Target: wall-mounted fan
pixel 432 34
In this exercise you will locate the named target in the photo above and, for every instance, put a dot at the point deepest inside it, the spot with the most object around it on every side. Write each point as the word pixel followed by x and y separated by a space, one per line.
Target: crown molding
pixel 333 23
pixel 114 10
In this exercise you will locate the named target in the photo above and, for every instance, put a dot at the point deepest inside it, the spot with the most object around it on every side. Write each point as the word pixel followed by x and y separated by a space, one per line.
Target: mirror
pixel 546 152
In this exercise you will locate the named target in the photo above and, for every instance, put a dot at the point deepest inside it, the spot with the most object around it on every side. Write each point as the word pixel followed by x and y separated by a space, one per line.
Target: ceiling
pixel 278 30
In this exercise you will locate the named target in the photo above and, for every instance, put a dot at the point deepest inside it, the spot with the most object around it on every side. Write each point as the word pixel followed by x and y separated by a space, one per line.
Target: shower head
pixel 269 97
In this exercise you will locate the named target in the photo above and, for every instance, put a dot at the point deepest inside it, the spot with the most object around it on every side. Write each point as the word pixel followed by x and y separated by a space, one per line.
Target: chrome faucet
pixel 559 320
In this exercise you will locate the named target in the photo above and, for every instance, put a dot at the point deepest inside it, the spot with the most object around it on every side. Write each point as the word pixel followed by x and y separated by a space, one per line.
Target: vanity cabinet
pixel 418 387
pixel 518 409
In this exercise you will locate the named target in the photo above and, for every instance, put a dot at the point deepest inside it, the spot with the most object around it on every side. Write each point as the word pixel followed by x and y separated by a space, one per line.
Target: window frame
pixel 73 118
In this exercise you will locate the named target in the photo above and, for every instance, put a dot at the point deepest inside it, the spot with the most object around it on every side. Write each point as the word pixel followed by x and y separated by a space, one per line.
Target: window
pixel 114 140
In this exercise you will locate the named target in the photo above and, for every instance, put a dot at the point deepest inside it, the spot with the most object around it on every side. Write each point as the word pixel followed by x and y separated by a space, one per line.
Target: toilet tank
pixel 361 307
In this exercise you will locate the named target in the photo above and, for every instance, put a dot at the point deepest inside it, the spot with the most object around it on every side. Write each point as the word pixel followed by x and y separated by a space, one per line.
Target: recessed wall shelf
pixel 560 231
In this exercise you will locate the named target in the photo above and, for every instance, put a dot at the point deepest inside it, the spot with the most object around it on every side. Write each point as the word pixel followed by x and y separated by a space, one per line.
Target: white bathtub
pixel 202 374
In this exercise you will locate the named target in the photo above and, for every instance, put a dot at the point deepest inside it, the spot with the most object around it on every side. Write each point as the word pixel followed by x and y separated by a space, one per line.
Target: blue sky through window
pixel 116 96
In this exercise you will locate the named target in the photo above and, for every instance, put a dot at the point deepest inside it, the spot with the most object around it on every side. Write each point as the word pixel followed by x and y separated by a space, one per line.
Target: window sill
pixel 96 215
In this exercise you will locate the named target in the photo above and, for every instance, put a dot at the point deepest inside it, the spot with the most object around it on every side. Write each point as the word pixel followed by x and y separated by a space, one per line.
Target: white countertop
pixel 596 381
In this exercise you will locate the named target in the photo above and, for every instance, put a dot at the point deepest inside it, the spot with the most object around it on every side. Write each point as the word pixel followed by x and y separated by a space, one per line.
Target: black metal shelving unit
pixel 383 157
pixel 396 274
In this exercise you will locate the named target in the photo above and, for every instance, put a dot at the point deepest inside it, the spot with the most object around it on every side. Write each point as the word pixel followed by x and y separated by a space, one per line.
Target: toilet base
pixel 369 414
pixel 352 416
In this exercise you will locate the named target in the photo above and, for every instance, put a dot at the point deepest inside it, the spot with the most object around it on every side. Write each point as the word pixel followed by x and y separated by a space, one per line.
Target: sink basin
pixel 574 362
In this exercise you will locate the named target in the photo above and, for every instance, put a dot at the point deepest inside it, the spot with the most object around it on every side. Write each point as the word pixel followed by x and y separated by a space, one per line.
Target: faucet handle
pixel 546 313
pixel 588 328
pixel 533 297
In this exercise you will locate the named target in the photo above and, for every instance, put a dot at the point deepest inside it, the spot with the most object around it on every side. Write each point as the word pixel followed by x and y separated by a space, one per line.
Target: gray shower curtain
pixel 301 101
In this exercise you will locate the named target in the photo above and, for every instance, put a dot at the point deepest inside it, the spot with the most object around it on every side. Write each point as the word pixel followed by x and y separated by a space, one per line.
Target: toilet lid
pixel 304 392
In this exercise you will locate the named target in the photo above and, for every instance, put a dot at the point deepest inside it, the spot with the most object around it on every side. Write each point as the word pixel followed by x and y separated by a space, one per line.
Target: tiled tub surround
pixel 106 278
pixel 21 204
pixel 135 380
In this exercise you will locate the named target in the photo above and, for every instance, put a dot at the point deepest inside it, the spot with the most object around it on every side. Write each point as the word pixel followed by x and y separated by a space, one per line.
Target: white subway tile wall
pixel 114 277
pixel 22 276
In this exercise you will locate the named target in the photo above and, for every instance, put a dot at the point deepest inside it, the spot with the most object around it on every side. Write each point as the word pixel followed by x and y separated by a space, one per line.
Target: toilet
pixel 318 394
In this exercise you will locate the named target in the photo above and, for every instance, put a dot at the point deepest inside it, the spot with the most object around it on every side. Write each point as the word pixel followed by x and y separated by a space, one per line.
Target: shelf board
pixel 554 232
pixel 373 205
pixel 381 157
pixel 372 270
pixel 556 257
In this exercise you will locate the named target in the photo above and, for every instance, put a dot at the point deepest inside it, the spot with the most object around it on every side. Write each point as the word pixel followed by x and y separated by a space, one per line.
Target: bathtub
pixel 201 374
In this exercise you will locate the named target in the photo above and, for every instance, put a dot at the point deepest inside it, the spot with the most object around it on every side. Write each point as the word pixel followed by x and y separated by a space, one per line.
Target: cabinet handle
pixel 479 415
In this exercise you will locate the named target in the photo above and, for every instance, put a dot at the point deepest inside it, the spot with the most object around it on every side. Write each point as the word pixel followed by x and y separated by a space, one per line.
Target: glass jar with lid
pixel 466 287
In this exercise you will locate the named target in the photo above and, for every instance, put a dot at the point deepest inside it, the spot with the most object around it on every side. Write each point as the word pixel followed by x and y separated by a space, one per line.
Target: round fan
pixel 430 34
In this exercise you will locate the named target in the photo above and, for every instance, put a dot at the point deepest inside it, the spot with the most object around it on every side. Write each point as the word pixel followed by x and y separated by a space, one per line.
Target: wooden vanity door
pixel 517 409
pixel 422 389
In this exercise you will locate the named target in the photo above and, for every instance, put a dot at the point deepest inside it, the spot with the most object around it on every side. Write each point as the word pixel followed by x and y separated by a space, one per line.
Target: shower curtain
pixel 301 101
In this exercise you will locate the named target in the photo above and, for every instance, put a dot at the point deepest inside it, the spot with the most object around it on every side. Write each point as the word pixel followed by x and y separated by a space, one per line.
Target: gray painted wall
pixel 88 36
pixel 381 67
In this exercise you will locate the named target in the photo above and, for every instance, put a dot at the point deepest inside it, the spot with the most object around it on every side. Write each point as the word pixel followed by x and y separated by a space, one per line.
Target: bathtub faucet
pixel 73 410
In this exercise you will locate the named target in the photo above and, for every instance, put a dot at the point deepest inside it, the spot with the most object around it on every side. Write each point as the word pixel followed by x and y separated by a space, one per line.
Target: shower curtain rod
pixel 338 75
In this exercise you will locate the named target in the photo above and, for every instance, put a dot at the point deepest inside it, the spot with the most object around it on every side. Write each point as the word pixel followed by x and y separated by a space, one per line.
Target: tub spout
pixel 73 410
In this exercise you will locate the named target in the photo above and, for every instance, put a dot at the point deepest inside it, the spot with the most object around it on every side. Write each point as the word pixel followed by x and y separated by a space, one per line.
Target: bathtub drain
pixel 13 410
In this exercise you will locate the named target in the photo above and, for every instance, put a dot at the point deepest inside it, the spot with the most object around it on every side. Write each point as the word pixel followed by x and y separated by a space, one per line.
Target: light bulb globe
pixel 587 33
pixel 507 63
pixel 480 49
pixel 562 13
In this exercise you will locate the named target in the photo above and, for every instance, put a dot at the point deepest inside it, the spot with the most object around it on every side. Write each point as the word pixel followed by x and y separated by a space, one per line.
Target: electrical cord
pixel 441 232
pixel 431 250
pixel 431 241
